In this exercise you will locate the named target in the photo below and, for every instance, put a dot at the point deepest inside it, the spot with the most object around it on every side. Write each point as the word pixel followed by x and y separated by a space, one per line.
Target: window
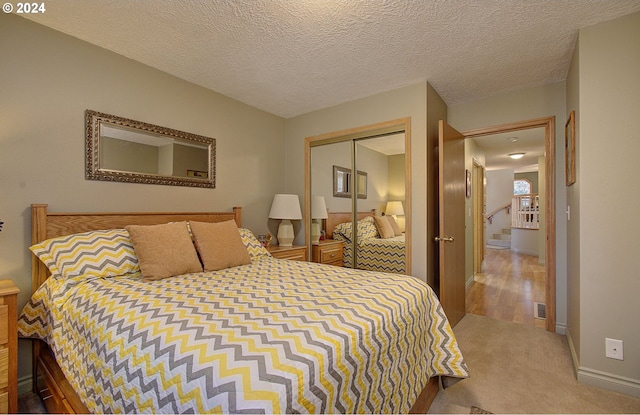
pixel 521 187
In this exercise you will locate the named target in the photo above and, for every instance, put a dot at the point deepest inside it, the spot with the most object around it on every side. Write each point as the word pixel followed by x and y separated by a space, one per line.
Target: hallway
pixel 508 287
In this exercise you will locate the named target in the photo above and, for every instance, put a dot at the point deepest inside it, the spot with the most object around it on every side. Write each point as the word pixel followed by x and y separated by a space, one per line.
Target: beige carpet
pixel 522 369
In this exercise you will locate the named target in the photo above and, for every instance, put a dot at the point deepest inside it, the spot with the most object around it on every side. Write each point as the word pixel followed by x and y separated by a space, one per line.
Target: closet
pixel 357 173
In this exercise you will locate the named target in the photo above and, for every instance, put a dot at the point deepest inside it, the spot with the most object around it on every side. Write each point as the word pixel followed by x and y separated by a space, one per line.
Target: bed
pixel 270 336
pixel 373 252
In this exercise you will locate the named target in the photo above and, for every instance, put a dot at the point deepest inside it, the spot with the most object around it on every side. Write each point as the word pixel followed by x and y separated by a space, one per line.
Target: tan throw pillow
pixel 384 228
pixel 220 245
pixel 394 226
pixel 164 250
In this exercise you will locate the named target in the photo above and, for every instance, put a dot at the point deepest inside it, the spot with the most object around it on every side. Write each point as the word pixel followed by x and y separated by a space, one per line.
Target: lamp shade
pixel 394 208
pixel 285 207
pixel 318 208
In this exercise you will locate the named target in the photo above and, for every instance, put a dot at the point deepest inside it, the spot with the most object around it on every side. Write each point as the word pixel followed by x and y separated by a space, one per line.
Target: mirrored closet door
pixel 362 179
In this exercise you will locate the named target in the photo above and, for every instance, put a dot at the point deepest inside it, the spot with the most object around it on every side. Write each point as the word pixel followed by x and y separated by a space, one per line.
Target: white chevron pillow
pixel 105 253
pixel 254 247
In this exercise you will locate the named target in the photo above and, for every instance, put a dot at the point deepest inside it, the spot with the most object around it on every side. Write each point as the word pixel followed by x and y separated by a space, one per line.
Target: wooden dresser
pixel 8 347
pixel 328 251
pixel 296 252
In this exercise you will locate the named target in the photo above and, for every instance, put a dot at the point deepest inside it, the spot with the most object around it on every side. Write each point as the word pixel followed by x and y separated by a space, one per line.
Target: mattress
pixel 275 336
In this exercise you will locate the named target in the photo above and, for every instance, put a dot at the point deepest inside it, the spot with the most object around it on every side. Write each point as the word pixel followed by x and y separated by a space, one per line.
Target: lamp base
pixel 315 232
pixel 285 233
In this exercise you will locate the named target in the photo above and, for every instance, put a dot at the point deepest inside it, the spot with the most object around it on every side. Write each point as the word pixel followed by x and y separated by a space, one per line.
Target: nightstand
pixel 328 251
pixel 8 347
pixel 296 253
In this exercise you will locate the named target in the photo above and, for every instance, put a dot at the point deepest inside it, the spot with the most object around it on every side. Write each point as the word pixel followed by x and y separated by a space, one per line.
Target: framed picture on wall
pixel 570 148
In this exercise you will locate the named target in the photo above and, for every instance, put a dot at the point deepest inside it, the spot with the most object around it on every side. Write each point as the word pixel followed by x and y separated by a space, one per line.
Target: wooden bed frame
pixel 49 382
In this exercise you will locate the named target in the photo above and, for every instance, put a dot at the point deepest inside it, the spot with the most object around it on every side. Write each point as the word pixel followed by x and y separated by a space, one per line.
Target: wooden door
pixel 452 189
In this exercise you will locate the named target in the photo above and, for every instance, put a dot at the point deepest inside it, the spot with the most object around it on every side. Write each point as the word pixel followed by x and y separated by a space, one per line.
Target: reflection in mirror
pixel 384 159
pixel 381 246
pixel 120 149
pixel 342 183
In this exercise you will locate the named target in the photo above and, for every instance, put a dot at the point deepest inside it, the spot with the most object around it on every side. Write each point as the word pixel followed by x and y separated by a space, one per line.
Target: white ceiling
pixel 290 57
pixel 388 145
pixel 497 147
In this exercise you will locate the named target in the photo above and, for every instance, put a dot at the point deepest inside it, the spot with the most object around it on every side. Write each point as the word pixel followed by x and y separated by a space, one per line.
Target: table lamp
pixel 318 212
pixel 394 209
pixel 287 208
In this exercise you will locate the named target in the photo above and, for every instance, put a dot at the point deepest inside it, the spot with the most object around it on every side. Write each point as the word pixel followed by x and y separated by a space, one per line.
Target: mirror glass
pixel 382 166
pixel 384 159
pixel 342 183
pixel 125 150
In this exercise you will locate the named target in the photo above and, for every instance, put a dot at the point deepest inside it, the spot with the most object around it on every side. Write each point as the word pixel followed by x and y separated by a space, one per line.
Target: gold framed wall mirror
pixel 119 149
pixel 383 152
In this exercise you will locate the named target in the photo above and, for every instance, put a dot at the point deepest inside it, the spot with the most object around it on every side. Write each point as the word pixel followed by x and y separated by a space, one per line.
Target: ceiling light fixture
pixel 516 156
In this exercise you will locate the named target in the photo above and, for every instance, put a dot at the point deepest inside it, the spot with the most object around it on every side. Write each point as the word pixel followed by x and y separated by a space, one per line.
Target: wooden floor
pixel 507 288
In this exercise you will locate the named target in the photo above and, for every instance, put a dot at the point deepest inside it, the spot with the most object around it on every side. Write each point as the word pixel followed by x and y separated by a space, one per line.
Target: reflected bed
pixel 373 252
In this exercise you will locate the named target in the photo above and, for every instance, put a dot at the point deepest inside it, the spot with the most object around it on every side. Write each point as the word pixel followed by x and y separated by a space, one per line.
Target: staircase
pixel 500 240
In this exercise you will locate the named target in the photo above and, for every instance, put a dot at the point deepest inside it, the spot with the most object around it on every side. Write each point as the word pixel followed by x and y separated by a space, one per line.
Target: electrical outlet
pixel 614 349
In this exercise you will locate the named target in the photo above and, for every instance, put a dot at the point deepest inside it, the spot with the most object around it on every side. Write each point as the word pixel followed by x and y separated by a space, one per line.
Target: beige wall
pixel 608 99
pixel 573 225
pixel 544 101
pixel 542 218
pixel 47 82
pixel 472 153
pixel 396 166
pixel 404 102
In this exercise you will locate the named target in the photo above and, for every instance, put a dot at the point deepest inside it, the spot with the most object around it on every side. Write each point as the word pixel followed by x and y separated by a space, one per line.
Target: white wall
pixel 499 193
pixel 543 101
pixel 49 79
pixel 608 145
pixel 525 241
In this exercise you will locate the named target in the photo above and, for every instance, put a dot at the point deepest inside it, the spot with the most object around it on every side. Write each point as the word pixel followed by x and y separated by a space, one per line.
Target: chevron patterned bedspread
pixel 377 254
pixel 275 336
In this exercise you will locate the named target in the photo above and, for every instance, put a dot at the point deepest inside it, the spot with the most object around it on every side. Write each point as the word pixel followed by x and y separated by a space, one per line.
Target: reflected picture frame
pixel 342 182
pixel 570 148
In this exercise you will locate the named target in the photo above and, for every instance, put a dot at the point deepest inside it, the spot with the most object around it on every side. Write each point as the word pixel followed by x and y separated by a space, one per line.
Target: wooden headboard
pixel 45 225
pixel 336 218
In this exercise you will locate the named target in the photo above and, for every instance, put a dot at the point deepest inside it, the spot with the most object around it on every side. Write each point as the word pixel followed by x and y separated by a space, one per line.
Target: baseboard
pixel 601 379
pixel 572 350
pixel 561 329
pixel 609 381
pixel 469 283
pixel 25 385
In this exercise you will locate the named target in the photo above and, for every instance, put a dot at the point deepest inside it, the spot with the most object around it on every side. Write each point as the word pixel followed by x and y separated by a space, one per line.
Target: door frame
pixel 549 125
pixel 478 202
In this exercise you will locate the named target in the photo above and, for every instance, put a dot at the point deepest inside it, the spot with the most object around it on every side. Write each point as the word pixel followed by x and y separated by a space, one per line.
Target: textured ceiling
pixel 289 57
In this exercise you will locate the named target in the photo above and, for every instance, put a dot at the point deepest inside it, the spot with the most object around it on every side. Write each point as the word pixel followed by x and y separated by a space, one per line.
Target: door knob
pixel 444 239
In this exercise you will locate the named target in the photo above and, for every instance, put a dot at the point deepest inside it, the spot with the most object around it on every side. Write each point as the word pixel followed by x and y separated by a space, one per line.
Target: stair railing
pixel 492 214
pixel 526 211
